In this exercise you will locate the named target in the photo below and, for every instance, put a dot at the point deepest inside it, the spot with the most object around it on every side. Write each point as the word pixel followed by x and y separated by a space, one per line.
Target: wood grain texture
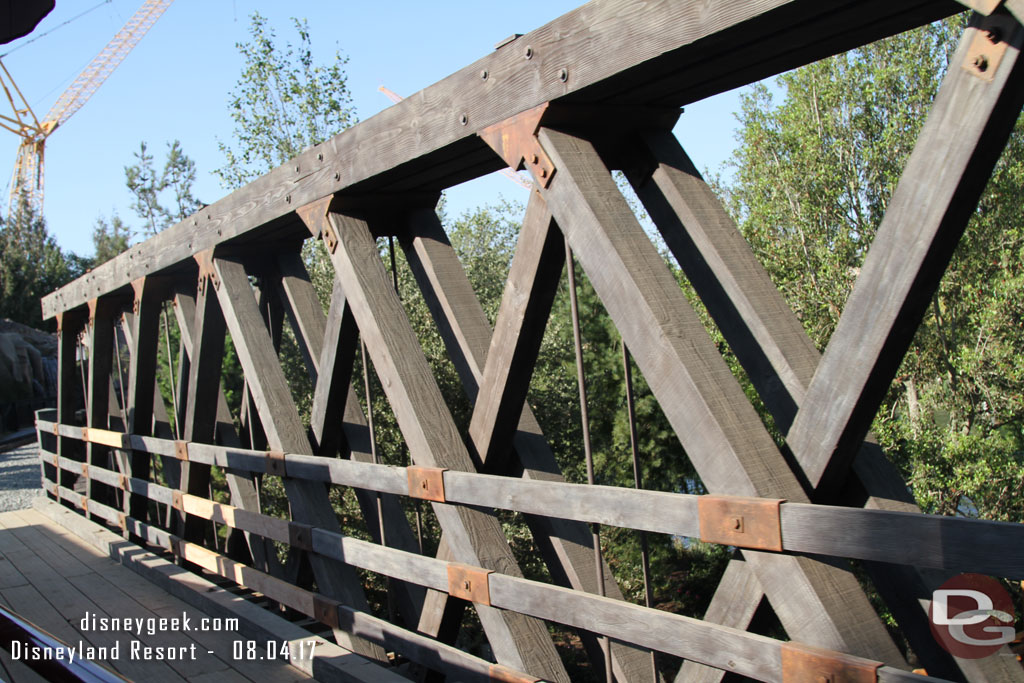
pixel 284 430
pixel 722 434
pixel 518 330
pixel 432 438
pixel 777 355
pixel 945 174
pixel 567 546
pixel 609 47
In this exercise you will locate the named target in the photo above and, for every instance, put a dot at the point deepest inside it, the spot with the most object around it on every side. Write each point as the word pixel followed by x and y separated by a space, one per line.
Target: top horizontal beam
pixel 623 52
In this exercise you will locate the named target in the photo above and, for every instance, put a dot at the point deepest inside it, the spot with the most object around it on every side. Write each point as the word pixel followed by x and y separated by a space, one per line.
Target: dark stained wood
pixel 937 193
pixel 721 432
pixel 518 331
pixel 652 44
pixel 143 392
pixel 100 337
pixel 432 438
pixel 270 392
pixel 241 483
pixel 329 344
pixel 776 353
pixel 567 546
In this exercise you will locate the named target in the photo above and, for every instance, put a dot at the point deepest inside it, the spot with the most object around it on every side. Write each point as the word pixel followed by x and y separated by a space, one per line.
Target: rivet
pixel 993 35
pixel 337 176
pixel 528 53
pixel 320 156
pixel 534 158
pixel 543 173
pixel 463 119
pixel 563 75
pixel 484 74
pixel 423 484
pixel 466 584
pixel 981 62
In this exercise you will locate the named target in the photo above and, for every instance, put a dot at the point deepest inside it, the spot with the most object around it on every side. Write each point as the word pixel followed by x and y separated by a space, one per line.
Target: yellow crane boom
pixel 27 178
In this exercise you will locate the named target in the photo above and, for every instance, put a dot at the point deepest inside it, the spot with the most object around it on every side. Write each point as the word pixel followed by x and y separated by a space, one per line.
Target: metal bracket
pixel 426 483
pixel 122 482
pixel 806 663
pixel 330 239
pixel 181 450
pixel 988 46
pixel 85 469
pixel 276 463
pixel 176 501
pixel 313 213
pixel 325 610
pixel 515 141
pixel 206 270
pixel 742 522
pixel 300 536
pixel 122 520
pixel 469 583
pixel 503 674
pixel 92 311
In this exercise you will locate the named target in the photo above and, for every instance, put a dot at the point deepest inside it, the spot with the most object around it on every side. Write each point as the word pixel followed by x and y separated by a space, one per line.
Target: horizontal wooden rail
pixel 663 54
pixel 934 541
pixel 752 655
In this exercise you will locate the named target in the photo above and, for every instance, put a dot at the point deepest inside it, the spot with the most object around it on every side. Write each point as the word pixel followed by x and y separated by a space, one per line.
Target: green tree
pixel 283 102
pixel 31 266
pixel 110 238
pixel 813 176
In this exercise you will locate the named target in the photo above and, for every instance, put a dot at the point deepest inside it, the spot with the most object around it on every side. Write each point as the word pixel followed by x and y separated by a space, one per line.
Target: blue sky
pixel 175 85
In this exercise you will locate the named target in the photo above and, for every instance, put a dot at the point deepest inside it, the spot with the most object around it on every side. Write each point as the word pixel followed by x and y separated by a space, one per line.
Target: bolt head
pixel 484 74
pixel 466 584
pixel 463 119
pixel 981 63
pixel 528 53
pixel 563 75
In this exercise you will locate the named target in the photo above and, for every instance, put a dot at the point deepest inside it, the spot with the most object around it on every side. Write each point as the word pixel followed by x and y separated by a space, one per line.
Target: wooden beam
pixel 330 344
pixel 432 437
pixel 719 429
pixel 775 352
pixel 567 546
pixel 69 326
pixel 959 145
pixel 664 53
pixel 100 333
pixel 272 396
pixel 143 391
pixel 242 484
pixel 518 331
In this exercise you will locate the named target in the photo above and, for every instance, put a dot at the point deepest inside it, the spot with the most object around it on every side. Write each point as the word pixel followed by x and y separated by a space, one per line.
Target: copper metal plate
pixel 181 450
pixel 325 610
pixel 300 535
pixel 742 522
pixel 802 663
pixel 515 141
pixel 469 583
pixel 426 483
pixel 276 463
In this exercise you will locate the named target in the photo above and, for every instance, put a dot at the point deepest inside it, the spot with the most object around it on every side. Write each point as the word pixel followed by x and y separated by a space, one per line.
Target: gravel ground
pixel 19 477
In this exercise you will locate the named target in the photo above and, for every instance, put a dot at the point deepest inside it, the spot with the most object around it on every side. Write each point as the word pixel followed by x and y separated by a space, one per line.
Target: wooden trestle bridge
pixel 596 89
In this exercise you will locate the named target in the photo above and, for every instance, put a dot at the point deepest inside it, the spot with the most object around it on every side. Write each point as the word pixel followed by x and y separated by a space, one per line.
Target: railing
pixel 605 101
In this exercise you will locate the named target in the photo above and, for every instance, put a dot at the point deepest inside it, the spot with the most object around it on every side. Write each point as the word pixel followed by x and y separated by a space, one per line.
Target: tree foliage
pixel 31 266
pixel 813 176
pixel 282 103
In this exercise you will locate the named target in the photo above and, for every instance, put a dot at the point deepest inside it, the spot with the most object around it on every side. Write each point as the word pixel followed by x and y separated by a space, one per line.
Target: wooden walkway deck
pixel 54 579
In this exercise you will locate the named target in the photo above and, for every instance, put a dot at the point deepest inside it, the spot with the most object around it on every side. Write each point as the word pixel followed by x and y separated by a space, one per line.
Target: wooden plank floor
pixel 53 579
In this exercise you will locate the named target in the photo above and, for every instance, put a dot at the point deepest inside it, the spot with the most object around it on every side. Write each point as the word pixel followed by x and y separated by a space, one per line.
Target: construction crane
pixel 508 172
pixel 27 178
